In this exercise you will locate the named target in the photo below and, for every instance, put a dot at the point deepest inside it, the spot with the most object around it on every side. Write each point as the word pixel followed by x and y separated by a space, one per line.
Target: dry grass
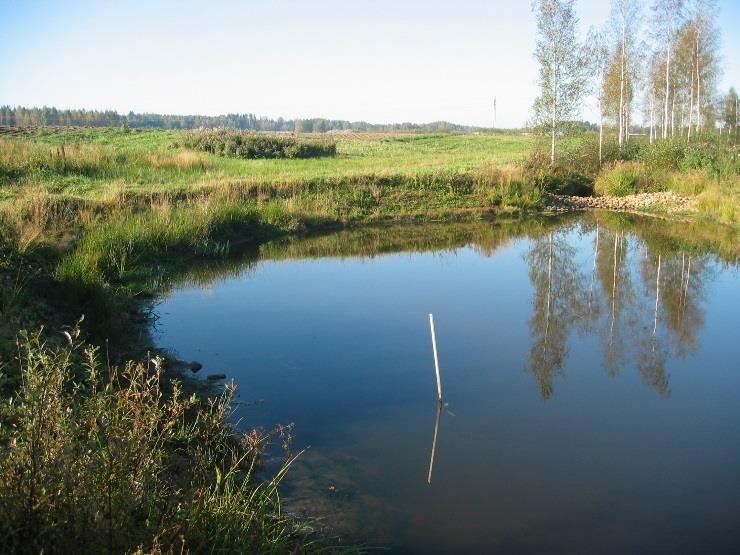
pixel 185 160
pixel 721 201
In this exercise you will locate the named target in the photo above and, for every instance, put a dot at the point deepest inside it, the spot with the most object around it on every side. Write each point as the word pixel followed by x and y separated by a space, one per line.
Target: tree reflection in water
pixel 635 326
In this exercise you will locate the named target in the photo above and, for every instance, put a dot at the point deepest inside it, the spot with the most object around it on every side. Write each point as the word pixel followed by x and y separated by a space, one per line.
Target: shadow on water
pixel 590 358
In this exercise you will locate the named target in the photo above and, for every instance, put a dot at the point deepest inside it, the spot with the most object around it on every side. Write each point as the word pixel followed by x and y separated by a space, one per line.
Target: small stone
pixel 195 366
pixel 214 377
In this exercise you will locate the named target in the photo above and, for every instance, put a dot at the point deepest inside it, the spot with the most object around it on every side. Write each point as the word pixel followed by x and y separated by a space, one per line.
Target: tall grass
pixel 721 201
pixel 99 459
pixel 628 178
pixel 130 252
pixel 23 159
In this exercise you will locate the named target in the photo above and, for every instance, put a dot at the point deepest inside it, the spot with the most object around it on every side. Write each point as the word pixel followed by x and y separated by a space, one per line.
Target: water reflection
pixel 628 271
pixel 591 314
pixel 434 441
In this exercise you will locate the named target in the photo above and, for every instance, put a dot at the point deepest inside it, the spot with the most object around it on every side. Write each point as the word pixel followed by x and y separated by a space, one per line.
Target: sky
pixel 381 61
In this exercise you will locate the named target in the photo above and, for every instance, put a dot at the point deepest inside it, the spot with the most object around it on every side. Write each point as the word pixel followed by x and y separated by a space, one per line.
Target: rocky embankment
pixel 669 202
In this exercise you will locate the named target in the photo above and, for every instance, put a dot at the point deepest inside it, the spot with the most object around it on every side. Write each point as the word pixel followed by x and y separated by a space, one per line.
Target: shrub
pixel 566 177
pixel 248 145
pixel 666 155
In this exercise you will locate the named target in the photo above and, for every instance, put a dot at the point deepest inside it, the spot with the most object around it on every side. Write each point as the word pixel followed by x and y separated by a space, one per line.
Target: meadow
pixel 146 161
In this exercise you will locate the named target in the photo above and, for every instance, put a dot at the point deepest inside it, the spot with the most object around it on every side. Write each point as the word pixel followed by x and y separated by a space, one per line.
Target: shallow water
pixel 589 365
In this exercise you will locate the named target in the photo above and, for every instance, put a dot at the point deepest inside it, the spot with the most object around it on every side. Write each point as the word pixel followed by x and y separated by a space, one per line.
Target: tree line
pixel 654 75
pixel 34 117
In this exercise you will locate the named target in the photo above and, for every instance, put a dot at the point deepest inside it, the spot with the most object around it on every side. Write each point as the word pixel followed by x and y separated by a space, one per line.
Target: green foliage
pixel 566 177
pixel 133 250
pixel 662 154
pixel 102 460
pixel 252 146
pixel 620 179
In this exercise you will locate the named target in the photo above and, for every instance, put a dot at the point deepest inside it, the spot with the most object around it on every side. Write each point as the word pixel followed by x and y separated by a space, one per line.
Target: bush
pixel 250 146
pixel 666 155
pixel 567 177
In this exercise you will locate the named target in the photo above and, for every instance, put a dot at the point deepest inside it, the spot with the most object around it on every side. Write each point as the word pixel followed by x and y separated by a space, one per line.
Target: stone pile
pixel 666 201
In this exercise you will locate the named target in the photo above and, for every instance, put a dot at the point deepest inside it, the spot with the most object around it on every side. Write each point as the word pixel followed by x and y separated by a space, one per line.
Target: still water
pixel 590 366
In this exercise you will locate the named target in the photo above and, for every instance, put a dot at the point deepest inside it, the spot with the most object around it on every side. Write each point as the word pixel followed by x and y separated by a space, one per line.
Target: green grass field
pixel 145 161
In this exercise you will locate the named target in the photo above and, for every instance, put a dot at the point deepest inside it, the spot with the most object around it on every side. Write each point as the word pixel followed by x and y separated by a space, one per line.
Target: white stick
pixel 436 362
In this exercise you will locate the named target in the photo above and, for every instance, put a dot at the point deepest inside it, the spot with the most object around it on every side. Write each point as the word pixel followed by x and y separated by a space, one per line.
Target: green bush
pixel 569 175
pixel 247 145
pixel 666 155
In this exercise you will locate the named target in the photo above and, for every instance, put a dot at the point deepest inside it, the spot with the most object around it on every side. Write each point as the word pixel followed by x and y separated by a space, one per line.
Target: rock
pixel 195 366
pixel 215 377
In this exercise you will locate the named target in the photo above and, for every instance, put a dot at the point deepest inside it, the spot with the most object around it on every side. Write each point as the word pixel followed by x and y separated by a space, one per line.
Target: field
pixel 145 161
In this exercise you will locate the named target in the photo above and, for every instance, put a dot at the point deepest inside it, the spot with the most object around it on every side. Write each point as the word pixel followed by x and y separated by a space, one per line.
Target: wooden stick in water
pixel 436 362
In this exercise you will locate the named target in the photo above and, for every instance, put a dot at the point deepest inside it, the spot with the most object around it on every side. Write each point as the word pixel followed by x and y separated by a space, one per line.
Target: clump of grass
pixel 721 202
pixel 248 145
pixel 508 186
pixel 619 179
pixel 628 178
pixel 102 460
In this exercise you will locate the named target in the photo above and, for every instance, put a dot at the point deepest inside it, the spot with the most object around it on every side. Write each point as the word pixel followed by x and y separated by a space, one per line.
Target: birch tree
pixel 667 16
pixel 598 54
pixel 703 15
pixel 625 17
pixel 729 113
pixel 563 65
pixel 654 93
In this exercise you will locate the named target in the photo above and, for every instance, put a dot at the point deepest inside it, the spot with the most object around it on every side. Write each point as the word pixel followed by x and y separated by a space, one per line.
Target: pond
pixel 589 364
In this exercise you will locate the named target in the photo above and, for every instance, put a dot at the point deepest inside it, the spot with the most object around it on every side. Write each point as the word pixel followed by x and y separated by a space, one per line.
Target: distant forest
pixel 29 117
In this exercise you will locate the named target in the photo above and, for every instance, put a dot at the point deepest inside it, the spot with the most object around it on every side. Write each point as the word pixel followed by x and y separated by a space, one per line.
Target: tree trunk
pixel 621 92
pixel 552 144
pixel 667 91
pixel 627 123
pixel 698 88
pixel 601 136
pixel 691 106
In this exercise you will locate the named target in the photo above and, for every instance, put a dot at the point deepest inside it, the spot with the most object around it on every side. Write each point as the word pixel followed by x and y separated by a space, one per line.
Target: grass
pixel 102 459
pixel 124 161
pixel 624 178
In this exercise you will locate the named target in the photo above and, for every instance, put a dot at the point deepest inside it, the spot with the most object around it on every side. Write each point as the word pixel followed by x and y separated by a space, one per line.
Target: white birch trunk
pixel 698 87
pixel 667 90
pixel 621 90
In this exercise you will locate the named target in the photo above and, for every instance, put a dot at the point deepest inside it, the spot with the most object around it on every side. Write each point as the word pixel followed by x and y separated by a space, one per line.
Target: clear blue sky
pixel 380 61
